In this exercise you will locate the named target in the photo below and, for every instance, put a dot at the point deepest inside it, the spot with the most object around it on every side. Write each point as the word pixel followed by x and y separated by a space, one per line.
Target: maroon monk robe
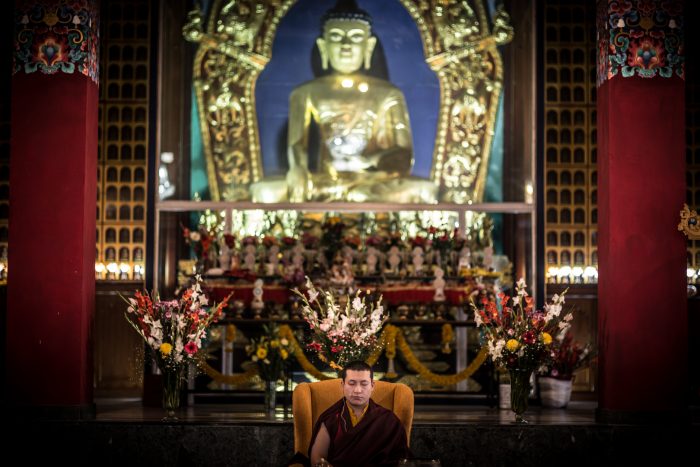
pixel 378 439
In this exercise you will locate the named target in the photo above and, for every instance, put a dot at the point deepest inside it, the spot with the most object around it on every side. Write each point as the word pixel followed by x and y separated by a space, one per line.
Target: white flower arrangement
pixel 343 332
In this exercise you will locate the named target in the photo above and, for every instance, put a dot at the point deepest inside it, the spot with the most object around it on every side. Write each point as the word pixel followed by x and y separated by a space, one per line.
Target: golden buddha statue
pixel 364 136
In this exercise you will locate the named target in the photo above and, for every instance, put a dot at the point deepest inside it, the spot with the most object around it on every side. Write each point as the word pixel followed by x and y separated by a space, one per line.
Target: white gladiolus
pixel 313 295
pixel 357 304
pixel 352 327
pixel 496 350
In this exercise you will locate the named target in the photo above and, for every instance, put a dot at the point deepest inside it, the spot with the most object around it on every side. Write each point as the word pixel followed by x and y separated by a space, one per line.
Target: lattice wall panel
pixel 123 137
pixel 570 184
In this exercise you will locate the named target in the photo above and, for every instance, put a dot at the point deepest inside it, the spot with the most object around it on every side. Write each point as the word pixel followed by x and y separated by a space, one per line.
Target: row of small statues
pixel 346 260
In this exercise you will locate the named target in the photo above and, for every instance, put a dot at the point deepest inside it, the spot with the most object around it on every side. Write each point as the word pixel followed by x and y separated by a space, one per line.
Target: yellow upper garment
pixel 354 418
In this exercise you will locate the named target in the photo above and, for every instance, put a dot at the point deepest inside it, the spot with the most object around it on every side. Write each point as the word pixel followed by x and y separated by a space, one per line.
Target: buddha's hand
pixel 297 184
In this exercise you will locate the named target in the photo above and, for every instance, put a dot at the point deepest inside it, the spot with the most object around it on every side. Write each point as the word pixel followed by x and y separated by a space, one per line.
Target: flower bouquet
pixel 271 355
pixel 519 337
pixel 557 376
pixel 203 244
pixel 342 330
pixel 567 356
pixel 174 330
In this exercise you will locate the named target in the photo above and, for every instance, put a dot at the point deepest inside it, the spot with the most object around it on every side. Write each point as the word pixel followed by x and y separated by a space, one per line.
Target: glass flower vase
pixel 519 392
pixel 270 397
pixel 172 387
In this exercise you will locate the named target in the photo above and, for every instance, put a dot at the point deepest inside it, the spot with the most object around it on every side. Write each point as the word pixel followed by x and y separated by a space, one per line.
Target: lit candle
pixel 112 269
pixel 565 274
pixel 590 274
pixel 99 270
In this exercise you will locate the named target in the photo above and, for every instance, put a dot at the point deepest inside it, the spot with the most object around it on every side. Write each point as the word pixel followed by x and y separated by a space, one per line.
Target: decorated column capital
pixel 640 38
pixel 56 36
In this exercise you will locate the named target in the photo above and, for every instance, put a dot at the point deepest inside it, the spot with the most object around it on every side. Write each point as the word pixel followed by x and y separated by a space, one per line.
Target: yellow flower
pixel 284 354
pixel 166 348
pixel 274 344
pixel 512 345
pixel 546 338
pixel 261 353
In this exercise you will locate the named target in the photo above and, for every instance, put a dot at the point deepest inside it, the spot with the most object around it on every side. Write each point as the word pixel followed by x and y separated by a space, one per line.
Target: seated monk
pixel 355 430
pixel 361 123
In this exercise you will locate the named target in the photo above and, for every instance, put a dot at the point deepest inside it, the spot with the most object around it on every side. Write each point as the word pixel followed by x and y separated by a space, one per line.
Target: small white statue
pixel 439 285
pixel 224 256
pixel 418 260
pixel 394 259
pixel 465 259
pixel 257 304
pixel 371 260
pixel 272 260
pixel 249 257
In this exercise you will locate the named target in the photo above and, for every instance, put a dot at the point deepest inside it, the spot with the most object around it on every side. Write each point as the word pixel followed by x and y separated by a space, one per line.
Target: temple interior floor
pixel 125 432
pixel 578 412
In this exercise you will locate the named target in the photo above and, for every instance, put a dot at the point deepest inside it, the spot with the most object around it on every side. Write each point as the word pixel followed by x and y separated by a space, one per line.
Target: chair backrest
pixel 310 400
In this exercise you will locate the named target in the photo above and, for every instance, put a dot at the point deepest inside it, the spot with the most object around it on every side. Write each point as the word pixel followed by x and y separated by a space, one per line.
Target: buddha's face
pixel 346 44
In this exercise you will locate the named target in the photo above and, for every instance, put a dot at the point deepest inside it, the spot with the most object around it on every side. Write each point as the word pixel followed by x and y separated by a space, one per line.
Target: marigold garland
pixel 391 335
pixel 286 331
pixel 445 380
pixel 228 379
pixel 390 341
pixel 230 333
pixel 448 336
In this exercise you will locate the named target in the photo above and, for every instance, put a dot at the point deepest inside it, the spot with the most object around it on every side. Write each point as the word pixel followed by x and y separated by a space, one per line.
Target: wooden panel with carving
pixel 118 349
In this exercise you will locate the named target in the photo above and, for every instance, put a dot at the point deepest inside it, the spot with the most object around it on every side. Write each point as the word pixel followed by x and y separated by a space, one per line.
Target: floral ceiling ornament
pixel 640 38
pixel 57 36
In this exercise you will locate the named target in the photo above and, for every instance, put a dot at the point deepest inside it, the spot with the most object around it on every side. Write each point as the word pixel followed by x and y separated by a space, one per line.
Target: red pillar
pixel 642 321
pixel 53 164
